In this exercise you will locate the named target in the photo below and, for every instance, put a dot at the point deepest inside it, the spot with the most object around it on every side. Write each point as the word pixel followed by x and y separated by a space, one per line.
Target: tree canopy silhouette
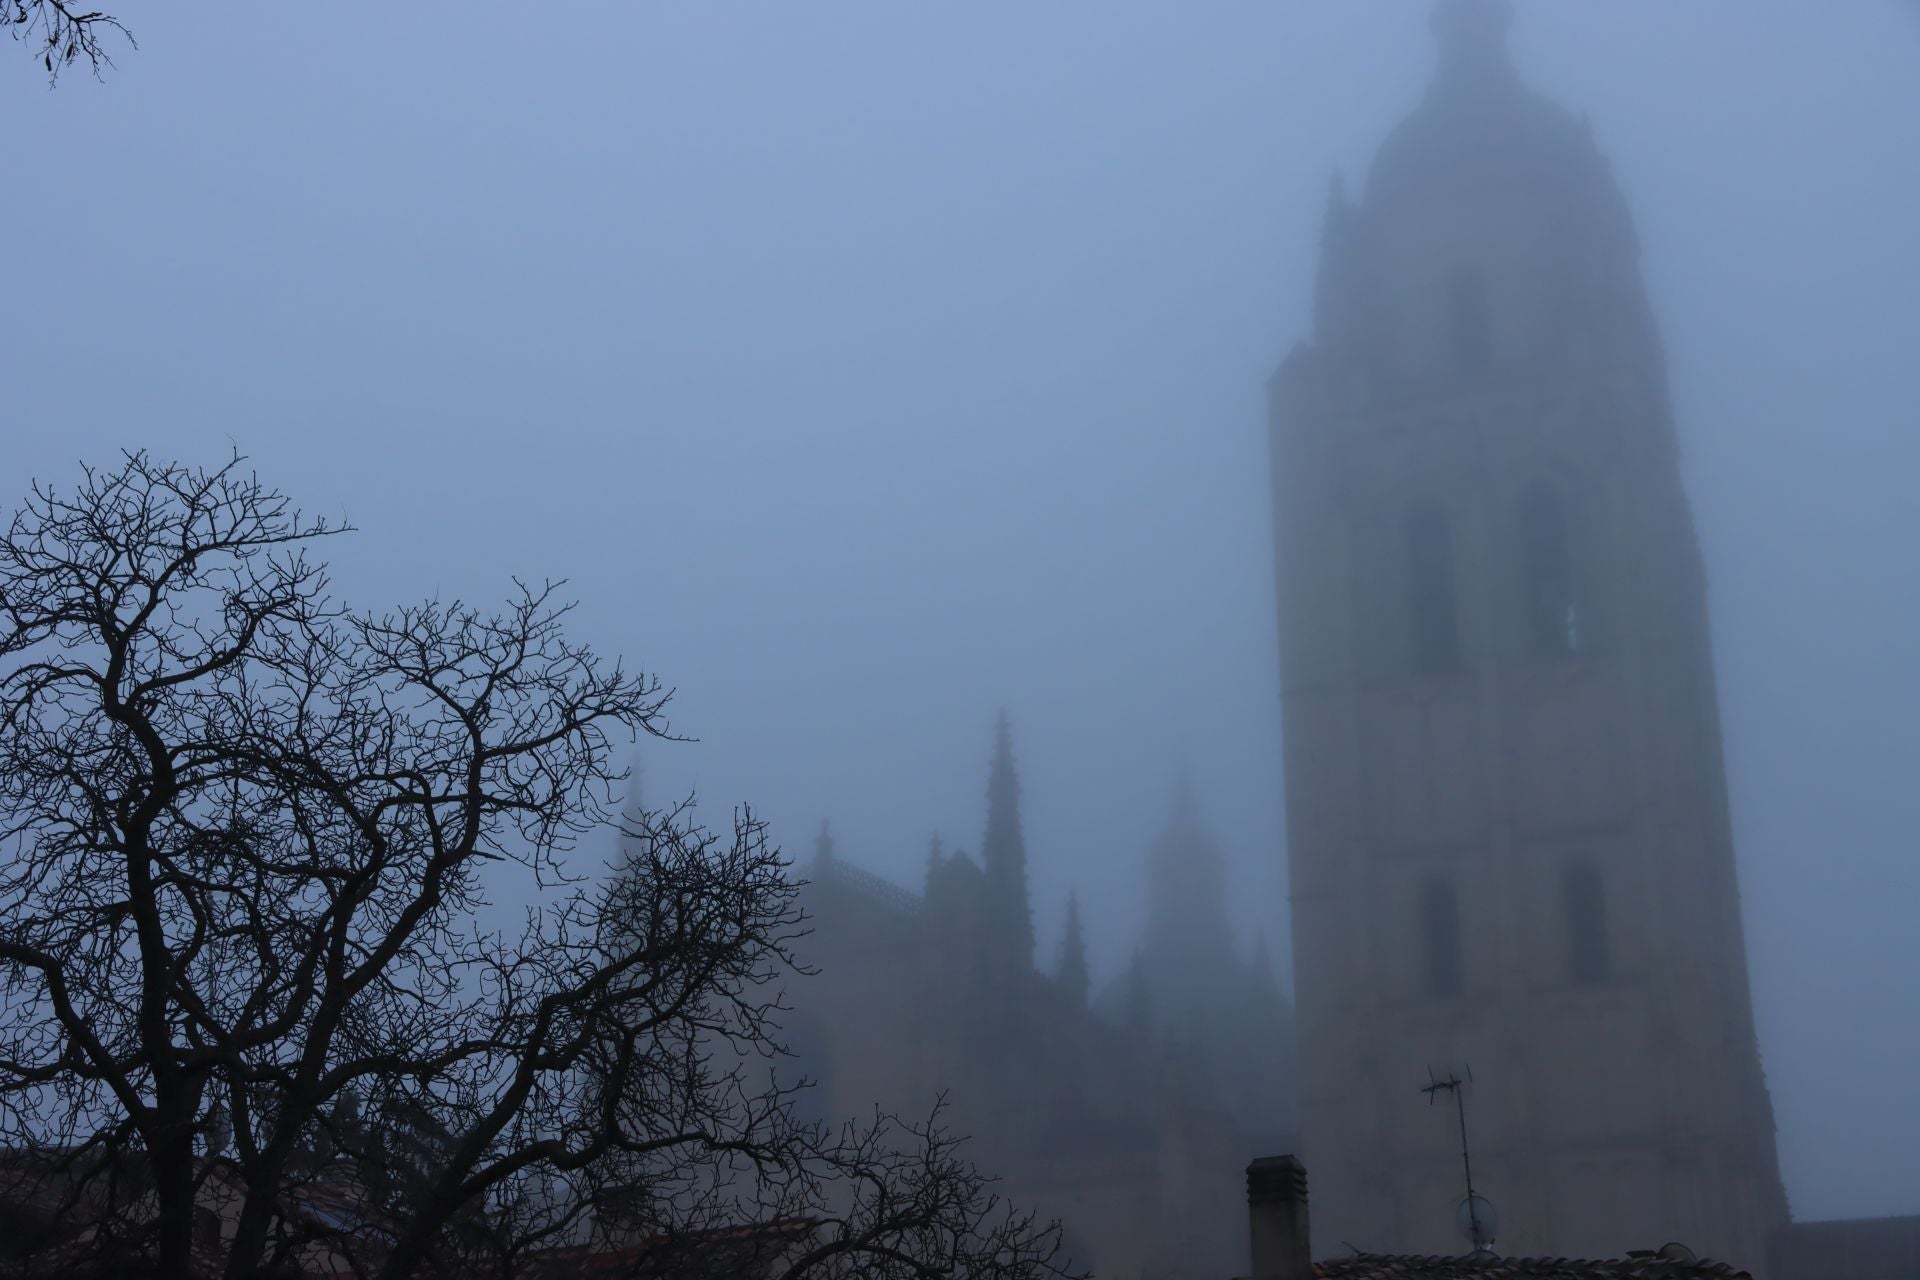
pixel 254 1011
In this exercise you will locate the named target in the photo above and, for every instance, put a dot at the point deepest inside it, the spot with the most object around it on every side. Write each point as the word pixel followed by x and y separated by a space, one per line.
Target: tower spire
pixel 1472 34
pixel 635 826
pixel 1139 1001
pixel 936 857
pixel 1185 812
pixel 1003 855
pixel 1073 957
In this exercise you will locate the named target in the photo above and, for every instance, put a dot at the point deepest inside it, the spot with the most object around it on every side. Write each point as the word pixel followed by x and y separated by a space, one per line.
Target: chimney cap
pixel 1271 1178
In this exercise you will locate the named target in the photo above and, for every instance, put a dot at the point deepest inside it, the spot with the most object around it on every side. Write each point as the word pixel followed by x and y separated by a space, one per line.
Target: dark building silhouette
pixel 1507 813
pixel 1128 1114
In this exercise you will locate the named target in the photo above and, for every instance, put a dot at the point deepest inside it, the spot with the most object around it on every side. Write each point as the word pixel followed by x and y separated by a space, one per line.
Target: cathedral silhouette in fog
pixel 1129 1112
pixel 1507 819
pixel 1508 837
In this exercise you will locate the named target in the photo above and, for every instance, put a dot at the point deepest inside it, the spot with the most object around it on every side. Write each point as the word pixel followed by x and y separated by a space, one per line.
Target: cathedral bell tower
pixel 1507 813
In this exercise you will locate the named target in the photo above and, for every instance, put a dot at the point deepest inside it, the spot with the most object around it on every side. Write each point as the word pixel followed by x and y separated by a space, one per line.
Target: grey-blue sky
pixel 868 367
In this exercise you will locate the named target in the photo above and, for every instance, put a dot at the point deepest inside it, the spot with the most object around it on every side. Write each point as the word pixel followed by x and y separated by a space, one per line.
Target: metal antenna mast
pixel 1479 1216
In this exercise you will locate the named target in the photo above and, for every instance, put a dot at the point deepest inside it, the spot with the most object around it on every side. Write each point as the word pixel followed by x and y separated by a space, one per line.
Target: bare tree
pixel 903 1204
pixel 63 33
pixel 249 838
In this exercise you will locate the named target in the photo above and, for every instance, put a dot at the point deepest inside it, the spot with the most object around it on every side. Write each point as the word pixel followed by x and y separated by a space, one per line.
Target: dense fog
pixel 870 369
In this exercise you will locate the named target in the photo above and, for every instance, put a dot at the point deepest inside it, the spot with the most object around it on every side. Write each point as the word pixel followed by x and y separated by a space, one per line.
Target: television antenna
pixel 1476 1217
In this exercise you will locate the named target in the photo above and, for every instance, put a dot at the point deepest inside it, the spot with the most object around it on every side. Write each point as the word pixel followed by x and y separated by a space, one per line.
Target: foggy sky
pixel 871 367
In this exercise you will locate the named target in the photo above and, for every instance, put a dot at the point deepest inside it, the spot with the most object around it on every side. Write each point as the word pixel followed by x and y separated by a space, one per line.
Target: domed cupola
pixel 1490 244
pixel 1186 882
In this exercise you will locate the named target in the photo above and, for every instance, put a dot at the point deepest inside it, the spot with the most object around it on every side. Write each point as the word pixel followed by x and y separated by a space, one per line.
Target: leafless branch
pixel 63 34
pixel 245 835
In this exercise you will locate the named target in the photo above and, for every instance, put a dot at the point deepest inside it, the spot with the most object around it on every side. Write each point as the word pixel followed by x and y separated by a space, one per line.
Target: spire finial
pixel 1185 811
pixel 1003 855
pixel 634 828
pixel 1139 1012
pixel 1073 957
pixel 1472 33
pixel 823 845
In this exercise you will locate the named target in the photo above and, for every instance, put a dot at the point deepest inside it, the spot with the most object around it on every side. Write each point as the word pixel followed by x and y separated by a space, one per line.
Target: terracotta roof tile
pixel 1648 1266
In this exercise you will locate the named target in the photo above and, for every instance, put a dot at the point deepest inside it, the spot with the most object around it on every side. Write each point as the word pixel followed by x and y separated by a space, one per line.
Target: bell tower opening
pixel 1553 621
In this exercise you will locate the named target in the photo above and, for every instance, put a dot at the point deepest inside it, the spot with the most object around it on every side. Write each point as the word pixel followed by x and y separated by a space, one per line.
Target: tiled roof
pixel 1638 1266
pixel 739 1253
pixel 837 871
pixel 1860 1248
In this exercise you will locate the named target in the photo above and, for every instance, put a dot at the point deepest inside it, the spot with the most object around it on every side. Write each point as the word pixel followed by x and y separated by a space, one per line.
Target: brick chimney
pixel 1277 1214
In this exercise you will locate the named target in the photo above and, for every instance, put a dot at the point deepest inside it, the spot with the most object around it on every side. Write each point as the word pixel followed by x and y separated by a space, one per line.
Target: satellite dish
pixel 1477 1221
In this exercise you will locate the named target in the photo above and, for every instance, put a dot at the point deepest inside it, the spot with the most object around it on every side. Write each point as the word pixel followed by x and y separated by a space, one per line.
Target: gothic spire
pixel 1139 1002
pixel 936 858
pixel 1186 811
pixel 635 826
pixel 1003 854
pixel 1073 957
pixel 1340 281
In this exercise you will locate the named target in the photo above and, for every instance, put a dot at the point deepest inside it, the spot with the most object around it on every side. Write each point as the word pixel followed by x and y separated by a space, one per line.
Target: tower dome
pixel 1490 236
pixel 1186 881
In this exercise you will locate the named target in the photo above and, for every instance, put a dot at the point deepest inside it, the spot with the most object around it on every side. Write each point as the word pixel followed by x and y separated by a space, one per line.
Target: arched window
pixel 1431 628
pixel 1546 574
pixel 1440 938
pixel 1587 959
pixel 1471 329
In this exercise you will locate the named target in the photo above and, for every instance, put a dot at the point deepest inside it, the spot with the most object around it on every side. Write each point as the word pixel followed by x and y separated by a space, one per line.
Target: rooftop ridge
pixel 838 870
pixel 1412 1266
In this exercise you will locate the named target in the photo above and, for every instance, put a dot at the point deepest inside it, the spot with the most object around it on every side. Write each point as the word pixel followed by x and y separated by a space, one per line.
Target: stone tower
pixel 1507 814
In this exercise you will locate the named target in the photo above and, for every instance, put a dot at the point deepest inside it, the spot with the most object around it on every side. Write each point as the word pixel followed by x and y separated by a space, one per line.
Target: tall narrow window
pixel 1440 937
pixel 1587 959
pixel 1472 331
pixel 1546 570
pixel 1431 627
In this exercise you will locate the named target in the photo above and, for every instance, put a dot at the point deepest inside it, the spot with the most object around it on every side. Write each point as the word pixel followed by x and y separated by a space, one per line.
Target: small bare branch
pixel 63 34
